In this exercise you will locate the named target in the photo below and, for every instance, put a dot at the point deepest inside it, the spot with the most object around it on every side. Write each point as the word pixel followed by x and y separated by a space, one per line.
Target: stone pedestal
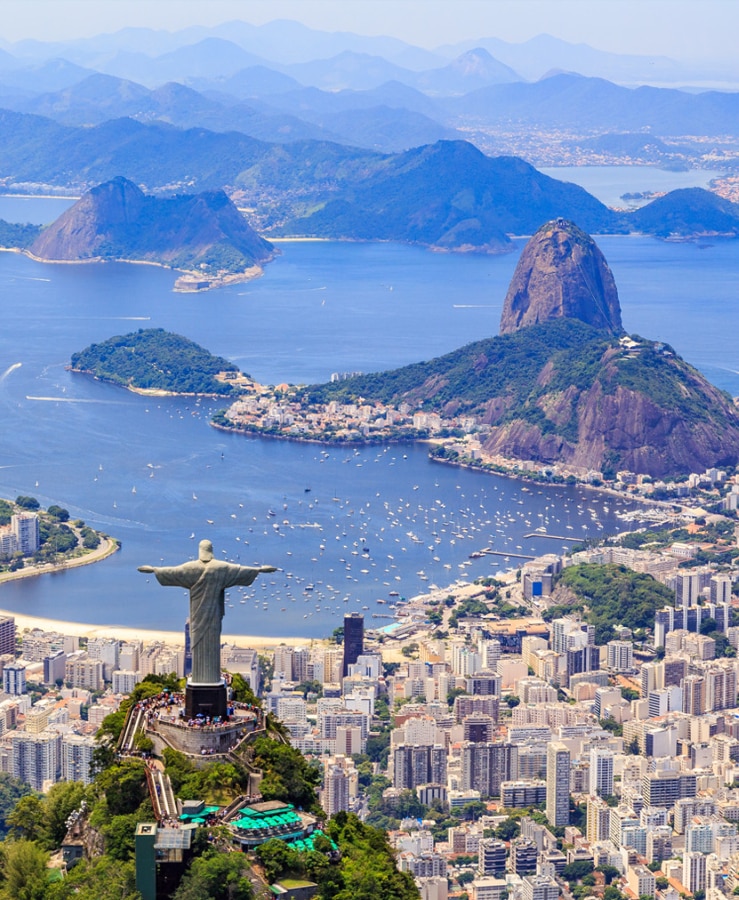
pixel 208 699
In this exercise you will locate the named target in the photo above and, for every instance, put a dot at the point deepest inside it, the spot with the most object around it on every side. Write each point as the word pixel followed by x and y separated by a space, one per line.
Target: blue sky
pixel 683 29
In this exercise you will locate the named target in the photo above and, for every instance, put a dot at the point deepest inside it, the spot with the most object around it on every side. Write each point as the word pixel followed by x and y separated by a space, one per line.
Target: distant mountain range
pixel 446 195
pixel 283 82
pixel 473 98
pixel 287 43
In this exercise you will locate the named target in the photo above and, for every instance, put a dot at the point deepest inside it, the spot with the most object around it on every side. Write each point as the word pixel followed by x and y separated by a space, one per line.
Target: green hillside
pixel 155 359
pixel 565 392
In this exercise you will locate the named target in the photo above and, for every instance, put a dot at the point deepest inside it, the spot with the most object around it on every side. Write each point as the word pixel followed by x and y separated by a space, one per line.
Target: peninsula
pixel 561 385
pixel 202 235
pixel 34 541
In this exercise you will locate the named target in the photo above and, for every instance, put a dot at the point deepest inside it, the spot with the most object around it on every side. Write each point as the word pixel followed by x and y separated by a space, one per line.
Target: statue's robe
pixel 207 582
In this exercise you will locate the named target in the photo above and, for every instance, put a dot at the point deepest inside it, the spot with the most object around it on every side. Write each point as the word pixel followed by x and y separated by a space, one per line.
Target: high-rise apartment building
pixel 7 635
pixel 601 771
pixel 35 758
pixel 414 765
pixel 14 679
pixel 486 765
pixel 76 757
pixel 353 640
pixel 558 784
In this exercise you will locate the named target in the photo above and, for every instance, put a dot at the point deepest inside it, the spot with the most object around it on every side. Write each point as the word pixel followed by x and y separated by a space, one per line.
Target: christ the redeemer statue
pixel 206 578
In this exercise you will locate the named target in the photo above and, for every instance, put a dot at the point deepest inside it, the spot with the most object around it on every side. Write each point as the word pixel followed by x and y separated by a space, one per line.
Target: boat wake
pixel 9 370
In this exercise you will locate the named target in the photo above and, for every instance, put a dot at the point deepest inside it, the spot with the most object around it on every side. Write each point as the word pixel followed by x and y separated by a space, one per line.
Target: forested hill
pixel 155 359
pixel 116 220
pixel 565 392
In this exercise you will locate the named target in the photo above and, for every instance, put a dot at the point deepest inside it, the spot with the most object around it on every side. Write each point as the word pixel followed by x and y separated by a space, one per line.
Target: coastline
pixel 108 546
pixel 145 392
pixel 188 282
pixel 149 635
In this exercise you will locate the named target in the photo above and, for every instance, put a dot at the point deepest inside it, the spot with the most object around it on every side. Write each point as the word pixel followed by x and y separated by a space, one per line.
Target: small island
pixel 155 361
pixel 34 540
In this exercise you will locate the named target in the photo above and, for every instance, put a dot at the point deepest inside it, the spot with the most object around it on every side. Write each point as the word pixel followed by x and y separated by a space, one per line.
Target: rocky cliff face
pixel 116 220
pixel 612 425
pixel 563 384
pixel 561 274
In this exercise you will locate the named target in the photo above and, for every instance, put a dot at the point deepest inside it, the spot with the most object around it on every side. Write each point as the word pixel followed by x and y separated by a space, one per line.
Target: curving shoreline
pixel 108 546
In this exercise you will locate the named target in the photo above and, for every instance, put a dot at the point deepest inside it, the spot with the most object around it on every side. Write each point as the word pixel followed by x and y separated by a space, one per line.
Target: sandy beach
pixel 149 636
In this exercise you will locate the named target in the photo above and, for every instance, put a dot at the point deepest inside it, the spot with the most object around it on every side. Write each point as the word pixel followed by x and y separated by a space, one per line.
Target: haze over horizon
pixel 681 29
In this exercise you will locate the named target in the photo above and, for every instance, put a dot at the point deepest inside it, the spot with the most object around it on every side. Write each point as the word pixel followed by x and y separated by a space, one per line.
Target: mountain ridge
pixel 203 234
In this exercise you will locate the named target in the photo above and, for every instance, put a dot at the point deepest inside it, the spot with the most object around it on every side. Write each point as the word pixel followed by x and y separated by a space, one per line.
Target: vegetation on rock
pixel 155 359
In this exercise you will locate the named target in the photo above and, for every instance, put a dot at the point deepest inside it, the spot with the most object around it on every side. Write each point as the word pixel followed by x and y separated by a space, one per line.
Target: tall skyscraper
pixel 601 771
pixel 7 635
pixel 558 784
pixel 353 640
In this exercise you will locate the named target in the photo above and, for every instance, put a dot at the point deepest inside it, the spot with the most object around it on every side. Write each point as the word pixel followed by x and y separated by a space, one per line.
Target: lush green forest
pixel 612 595
pixel 156 359
pixel 21 236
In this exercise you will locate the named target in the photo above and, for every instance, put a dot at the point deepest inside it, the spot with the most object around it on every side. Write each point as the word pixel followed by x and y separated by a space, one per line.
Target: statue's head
pixel 205 551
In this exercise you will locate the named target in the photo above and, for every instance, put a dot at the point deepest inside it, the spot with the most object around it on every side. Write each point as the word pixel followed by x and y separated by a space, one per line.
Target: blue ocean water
pixel 346 527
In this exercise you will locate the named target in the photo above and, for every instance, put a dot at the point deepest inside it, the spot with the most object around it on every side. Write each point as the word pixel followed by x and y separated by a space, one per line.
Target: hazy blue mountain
pixel 264 124
pixel 90 101
pixel 101 98
pixel 156 155
pixel 90 51
pixel 283 41
pixel 9 61
pixel 472 70
pixel 539 55
pixel 210 57
pixel 580 103
pixel 54 75
pixel 450 196
pixel 290 42
pixel 348 70
pixel 687 212
pixel 253 81
pixel 387 129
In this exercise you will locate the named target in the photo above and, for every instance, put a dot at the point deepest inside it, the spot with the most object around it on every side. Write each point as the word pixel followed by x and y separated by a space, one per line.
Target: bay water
pixel 346 527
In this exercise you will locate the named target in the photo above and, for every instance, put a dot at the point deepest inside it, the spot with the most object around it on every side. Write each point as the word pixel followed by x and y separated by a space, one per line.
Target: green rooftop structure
pixel 260 822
